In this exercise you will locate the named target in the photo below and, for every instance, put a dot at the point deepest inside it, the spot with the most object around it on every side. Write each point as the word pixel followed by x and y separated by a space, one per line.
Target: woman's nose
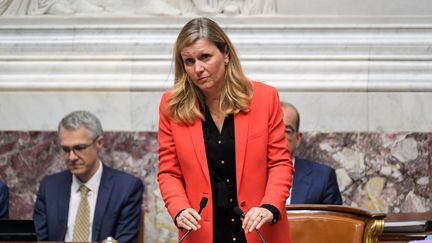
pixel 199 67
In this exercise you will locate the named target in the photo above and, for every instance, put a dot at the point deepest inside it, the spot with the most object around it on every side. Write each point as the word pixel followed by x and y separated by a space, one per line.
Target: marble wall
pixel 140 8
pixel 358 71
pixel 387 172
pixel 79 8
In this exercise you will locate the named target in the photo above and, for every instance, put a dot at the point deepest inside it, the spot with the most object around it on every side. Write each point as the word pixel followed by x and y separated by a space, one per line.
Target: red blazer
pixel 263 166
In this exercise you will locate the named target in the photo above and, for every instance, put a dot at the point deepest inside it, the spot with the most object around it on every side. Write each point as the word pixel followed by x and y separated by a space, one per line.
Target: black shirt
pixel 220 151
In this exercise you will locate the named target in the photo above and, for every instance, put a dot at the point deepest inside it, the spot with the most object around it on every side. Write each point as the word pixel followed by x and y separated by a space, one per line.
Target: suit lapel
pixel 241 130
pixel 63 206
pixel 103 196
pixel 197 136
pixel 302 182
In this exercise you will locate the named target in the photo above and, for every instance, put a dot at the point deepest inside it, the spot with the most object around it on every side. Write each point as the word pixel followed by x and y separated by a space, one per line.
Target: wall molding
pixel 295 54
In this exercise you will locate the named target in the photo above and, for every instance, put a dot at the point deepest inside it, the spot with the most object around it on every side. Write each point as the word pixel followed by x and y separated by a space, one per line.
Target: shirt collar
pixel 92 184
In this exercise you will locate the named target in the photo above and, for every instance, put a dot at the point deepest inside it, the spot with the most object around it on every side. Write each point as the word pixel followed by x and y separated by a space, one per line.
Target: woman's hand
pixel 188 219
pixel 255 218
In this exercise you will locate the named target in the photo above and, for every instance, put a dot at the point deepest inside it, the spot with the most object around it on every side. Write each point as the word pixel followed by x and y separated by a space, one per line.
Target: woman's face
pixel 205 65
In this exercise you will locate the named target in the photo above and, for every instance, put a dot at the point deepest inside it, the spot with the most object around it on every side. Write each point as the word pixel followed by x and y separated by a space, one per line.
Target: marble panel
pixel 138 111
pixel 145 110
pixel 388 172
pixel 330 112
pixel 214 8
pixel 43 110
pixel 399 111
pixel 362 112
pixel 354 8
pixel 144 7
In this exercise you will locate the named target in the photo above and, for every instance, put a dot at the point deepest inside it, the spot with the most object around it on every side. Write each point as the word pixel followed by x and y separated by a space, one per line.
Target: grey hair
pixel 76 119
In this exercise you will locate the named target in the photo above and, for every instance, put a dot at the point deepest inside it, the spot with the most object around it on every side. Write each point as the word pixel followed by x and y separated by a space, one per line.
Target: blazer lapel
pixel 241 131
pixel 301 182
pixel 197 136
pixel 63 206
pixel 103 196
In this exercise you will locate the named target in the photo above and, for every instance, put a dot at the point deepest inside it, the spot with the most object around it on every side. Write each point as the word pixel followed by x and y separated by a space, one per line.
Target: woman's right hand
pixel 188 219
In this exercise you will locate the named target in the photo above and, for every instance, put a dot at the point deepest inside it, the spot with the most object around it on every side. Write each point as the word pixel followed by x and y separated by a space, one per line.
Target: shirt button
pixel 227 180
pixel 234 239
pixel 222 162
pixel 231 200
pixel 233 220
pixel 219 142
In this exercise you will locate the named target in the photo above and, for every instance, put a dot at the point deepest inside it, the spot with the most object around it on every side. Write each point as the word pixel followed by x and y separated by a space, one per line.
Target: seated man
pixel 313 183
pixel 4 201
pixel 90 201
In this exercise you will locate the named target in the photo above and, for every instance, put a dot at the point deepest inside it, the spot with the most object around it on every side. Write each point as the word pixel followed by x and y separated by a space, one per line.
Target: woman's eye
pixel 188 61
pixel 205 57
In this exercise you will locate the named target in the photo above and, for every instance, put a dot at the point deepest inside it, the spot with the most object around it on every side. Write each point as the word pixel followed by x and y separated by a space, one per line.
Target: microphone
pixel 239 213
pixel 203 203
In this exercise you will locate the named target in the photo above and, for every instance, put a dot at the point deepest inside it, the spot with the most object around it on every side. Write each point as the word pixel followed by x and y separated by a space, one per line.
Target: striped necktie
pixel 82 220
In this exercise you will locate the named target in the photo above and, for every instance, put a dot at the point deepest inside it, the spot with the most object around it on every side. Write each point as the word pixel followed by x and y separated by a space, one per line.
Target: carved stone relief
pixel 137 7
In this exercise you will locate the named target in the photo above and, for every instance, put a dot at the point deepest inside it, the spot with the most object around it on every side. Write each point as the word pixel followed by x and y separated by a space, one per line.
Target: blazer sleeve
pixel 279 165
pixel 170 176
pixel 130 214
pixel 39 215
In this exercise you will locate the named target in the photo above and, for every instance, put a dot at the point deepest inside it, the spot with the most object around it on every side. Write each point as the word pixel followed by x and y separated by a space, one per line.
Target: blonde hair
pixel 186 100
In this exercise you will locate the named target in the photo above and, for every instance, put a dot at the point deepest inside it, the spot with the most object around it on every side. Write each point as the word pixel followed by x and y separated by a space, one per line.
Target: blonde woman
pixel 221 137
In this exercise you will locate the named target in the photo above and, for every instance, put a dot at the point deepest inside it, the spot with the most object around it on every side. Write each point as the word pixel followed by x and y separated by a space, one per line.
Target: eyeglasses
pixel 289 131
pixel 77 149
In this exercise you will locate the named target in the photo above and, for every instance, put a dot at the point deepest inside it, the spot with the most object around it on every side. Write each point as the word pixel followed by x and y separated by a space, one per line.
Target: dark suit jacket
pixel 117 211
pixel 314 183
pixel 4 201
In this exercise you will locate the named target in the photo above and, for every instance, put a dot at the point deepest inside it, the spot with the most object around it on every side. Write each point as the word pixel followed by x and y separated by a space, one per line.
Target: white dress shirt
pixel 288 201
pixel 75 197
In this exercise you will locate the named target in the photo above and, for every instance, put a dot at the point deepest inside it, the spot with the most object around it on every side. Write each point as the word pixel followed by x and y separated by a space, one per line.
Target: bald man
pixel 313 183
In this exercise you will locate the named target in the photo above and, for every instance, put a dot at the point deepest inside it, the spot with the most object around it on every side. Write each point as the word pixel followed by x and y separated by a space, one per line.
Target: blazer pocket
pixel 258 134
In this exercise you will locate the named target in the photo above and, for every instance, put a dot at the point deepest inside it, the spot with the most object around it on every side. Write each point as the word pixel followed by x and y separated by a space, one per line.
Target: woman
pixel 221 136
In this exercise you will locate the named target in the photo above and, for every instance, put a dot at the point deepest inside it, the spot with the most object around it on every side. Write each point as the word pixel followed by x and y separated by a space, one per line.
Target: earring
pixel 226 62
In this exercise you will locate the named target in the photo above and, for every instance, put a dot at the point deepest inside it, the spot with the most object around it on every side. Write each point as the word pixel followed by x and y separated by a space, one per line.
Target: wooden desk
pixel 403 236
pixel 394 217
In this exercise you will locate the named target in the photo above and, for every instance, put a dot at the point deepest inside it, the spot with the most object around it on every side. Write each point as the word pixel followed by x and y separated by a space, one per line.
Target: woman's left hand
pixel 255 218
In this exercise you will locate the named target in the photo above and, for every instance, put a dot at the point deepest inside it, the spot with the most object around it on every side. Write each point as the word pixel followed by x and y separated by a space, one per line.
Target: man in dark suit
pixel 90 201
pixel 313 183
pixel 4 201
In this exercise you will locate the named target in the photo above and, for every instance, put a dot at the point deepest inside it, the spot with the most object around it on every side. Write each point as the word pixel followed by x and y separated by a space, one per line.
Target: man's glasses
pixel 77 149
pixel 289 131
